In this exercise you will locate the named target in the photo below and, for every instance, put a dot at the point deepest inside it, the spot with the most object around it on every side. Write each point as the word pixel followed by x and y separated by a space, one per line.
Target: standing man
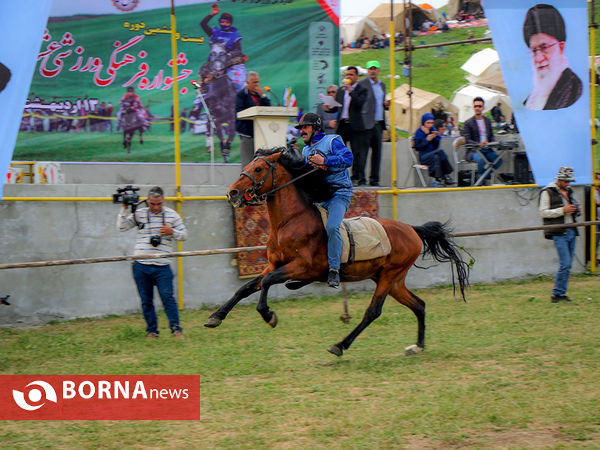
pixel 251 95
pixel 353 125
pixel 328 117
pixel 328 152
pixel 478 131
pixel 557 205
pixel 376 105
pixel 158 226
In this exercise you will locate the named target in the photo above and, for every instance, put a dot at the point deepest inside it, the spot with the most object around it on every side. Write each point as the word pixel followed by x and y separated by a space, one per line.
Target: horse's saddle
pixel 363 238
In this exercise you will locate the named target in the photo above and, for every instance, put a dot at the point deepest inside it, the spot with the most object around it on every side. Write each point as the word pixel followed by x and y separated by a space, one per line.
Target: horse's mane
pixel 313 185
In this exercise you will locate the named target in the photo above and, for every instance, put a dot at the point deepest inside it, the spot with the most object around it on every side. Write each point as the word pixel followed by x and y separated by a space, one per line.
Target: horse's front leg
pixel 247 289
pixel 290 271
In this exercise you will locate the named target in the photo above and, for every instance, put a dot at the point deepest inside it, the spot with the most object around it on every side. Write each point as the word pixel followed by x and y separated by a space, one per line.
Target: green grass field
pixel 507 369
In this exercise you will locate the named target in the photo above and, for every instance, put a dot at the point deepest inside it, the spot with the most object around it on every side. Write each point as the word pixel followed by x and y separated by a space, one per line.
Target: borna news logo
pixel 96 397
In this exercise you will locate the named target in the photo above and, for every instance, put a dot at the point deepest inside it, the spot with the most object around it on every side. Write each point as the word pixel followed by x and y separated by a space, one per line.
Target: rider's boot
pixel 333 279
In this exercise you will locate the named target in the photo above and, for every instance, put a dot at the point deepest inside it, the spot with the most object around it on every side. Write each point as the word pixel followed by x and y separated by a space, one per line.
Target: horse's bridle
pixel 251 195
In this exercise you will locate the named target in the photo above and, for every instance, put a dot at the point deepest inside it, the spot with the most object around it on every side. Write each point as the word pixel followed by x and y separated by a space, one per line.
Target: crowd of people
pixel 44 120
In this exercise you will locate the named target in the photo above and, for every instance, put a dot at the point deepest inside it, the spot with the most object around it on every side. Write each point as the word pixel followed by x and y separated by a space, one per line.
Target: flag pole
pixel 176 126
pixel 392 110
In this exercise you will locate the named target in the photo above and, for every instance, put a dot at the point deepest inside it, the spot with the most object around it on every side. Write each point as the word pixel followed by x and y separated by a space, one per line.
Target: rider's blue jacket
pixel 338 158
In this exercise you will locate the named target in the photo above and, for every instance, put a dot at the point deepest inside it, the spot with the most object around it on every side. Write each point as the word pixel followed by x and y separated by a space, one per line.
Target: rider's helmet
pixel 311 119
pixel 130 89
pixel 226 16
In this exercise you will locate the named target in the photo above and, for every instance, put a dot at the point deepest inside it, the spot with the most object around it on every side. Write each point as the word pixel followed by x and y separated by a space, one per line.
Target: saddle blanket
pixel 363 238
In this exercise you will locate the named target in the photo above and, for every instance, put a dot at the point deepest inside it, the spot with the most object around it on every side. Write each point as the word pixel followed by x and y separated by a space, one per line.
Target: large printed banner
pixel 21 27
pixel 543 49
pixel 103 85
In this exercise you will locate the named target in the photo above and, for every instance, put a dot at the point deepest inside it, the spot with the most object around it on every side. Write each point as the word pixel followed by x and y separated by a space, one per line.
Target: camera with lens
pixel 155 240
pixel 127 195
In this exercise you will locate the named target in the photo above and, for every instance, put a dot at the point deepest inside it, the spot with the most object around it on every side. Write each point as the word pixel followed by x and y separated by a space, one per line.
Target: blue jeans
pixel 336 208
pixel 491 156
pixel 147 276
pixel 565 247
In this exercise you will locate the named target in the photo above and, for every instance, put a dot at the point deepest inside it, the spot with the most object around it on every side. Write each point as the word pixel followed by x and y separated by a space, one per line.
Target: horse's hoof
pixel 212 322
pixel 413 350
pixel 336 350
pixel 273 321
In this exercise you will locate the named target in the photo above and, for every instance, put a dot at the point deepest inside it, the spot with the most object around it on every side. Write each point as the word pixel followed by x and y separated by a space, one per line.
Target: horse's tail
pixel 438 243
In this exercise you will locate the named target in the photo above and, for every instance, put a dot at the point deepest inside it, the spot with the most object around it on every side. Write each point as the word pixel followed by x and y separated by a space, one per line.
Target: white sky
pixel 364 7
pixel 65 7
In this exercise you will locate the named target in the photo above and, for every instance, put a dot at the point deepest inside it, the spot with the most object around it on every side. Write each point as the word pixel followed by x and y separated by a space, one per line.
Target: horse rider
pixel 328 153
pixel 131 102
pixel 226 33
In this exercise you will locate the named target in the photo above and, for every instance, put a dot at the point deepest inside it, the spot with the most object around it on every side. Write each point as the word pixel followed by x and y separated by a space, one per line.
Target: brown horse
pixel 297 244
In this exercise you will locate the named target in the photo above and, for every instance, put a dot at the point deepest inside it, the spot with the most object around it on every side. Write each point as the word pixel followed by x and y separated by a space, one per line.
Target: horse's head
pixel 259 178
pixel 217 57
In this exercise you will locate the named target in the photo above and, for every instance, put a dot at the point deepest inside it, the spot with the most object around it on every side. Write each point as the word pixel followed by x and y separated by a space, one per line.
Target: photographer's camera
pixel 155 240
pixel 127 195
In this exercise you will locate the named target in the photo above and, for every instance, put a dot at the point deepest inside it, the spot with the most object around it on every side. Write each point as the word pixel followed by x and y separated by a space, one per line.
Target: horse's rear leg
pixel 141 136
pixel 417 306
pixel 247 289
pixel 372 313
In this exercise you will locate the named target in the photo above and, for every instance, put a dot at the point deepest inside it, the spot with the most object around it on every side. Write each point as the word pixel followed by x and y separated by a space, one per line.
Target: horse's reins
pixel 258 184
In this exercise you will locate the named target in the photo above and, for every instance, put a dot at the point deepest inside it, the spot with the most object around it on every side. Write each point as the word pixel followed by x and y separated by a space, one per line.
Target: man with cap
pixel 375 121
pixel 557 206
pixel 555 86
pixel 328 153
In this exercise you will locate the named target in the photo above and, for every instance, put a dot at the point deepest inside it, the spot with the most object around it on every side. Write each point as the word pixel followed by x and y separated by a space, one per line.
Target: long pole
pixel 392 108
pixel 593 27
pixel 176 126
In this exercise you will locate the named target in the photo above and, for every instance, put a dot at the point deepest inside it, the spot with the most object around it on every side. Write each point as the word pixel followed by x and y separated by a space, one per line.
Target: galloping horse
pixel 219 94
pixel 297 245
pixel 131 121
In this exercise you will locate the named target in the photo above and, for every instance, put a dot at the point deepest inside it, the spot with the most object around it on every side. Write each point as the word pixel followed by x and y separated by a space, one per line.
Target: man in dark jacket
pixel 375 111
pixel 251 95
pixel 558 206
pixel 353 124
pixel 478 131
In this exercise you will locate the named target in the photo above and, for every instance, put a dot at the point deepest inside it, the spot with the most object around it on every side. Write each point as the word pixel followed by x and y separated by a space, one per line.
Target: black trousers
pixel 375 144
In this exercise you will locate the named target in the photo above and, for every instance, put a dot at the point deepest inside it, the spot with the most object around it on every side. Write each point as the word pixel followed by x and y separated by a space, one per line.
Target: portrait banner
pixel 103 85
pixel 543 49
pixel 21 27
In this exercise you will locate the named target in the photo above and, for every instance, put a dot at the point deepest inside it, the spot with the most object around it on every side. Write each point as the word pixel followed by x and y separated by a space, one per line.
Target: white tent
pixel 422 102
pixel 483 69
pixel 463 100
pixel 353 27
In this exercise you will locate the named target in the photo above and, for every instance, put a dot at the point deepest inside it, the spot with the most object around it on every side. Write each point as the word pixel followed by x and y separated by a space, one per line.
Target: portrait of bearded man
pixel 555 85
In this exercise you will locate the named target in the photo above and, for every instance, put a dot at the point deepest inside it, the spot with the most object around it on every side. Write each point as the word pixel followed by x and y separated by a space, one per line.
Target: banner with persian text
pixel 103 85
pixel 543 49
pixel 21 27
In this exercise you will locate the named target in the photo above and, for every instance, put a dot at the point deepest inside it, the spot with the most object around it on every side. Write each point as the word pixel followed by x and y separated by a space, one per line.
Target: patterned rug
pixel 252 228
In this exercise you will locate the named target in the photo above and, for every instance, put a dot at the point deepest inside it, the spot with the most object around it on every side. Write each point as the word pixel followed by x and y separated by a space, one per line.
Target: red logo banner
pixel 100 397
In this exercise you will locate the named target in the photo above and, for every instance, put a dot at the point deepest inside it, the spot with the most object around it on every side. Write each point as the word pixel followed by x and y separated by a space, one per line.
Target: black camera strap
pixel 148 216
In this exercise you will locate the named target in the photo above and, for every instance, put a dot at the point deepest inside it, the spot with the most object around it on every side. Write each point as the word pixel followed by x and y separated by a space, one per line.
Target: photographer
pixel 557 206
pixel 157 227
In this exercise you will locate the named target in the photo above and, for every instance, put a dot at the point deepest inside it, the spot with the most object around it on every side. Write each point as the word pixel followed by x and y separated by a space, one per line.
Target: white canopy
pixel 353 27
pixel 480 63
pixel 463 100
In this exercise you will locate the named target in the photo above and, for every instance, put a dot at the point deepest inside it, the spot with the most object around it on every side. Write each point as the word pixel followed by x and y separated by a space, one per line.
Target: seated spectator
pixel 328 118
pixel 427 142
pixel 444 26
pixel 461 15
pixel 450 125
pixel 497 113
pixel 441 127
